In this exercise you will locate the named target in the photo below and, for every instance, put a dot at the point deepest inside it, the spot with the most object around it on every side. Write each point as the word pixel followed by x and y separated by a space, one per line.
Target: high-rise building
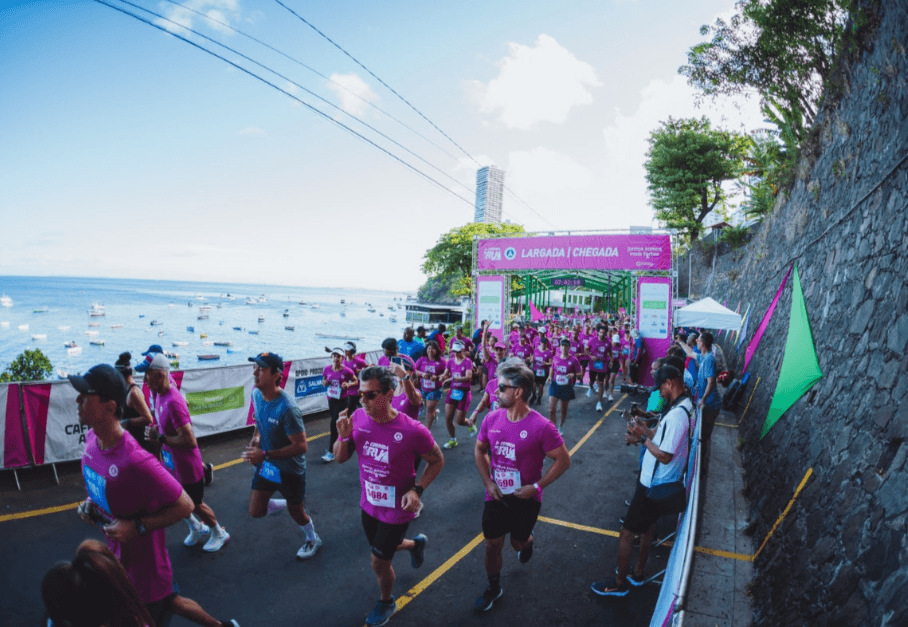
pixel 489 192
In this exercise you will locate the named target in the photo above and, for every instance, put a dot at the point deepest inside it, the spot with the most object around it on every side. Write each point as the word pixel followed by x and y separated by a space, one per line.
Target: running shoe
pixel 487 599
pixel 451 443
pixel 382 613
pixel 524 556
pixel 560 430
pixel 634 580
pixel 589 392
pixel 598 406
pixel 275 507
pixel 209 474
pixel 233 623
pixel 309 548
pixel 328 457
pixel 472 430
pixel 609 588
pixel 195 535
pixel 418 553
pixel 596 388
pixel 610 399
pixel 216 541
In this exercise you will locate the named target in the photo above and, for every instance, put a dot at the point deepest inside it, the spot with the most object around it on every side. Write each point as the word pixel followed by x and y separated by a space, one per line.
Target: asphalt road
pixel 257 580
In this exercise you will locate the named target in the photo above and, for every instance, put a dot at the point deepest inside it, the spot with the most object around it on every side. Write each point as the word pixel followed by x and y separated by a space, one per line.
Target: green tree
pixel 451 259
pixel 28 366
pixel 686 165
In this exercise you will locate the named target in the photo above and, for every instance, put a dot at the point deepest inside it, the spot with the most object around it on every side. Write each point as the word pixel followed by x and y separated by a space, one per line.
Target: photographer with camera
pixel 664 462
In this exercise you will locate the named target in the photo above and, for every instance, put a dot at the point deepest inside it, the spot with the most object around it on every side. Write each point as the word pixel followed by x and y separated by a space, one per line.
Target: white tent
pixel 707 314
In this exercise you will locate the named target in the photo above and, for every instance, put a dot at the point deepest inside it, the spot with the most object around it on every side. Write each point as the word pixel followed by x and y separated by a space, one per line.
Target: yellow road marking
pixel 570 525
pixel 413 592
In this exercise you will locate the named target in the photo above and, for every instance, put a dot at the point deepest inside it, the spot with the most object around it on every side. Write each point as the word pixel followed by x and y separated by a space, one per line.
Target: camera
pixel 634 390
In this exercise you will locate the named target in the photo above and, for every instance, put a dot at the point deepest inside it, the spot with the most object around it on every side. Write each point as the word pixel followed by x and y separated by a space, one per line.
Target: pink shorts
pixel 464 403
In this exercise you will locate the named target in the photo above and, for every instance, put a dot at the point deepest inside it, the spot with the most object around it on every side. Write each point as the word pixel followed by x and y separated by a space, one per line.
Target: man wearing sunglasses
pixel 387 443
pixel 511 448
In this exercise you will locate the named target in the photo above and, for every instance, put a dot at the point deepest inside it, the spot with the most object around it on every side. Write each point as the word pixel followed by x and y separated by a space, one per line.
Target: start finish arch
pixel 634 271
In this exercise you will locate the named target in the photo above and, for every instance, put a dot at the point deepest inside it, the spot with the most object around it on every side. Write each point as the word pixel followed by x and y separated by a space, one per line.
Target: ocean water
pixel 134 304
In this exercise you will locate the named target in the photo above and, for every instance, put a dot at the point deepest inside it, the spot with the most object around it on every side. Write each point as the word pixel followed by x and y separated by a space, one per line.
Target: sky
pixel 127 152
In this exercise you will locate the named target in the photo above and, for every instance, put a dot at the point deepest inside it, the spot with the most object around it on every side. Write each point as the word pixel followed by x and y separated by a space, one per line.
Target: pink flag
pixel 535 314
pixel 752 347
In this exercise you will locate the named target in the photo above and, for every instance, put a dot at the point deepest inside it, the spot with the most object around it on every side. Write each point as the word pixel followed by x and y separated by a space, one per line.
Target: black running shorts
pixel 510 515
pixel 384 538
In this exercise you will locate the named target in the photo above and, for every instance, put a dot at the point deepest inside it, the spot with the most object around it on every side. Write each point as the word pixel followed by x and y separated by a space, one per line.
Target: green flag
pixel 800 368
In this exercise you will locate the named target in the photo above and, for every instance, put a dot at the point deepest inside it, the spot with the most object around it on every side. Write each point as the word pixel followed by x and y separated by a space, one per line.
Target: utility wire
pixel 287 93
pixel 313 70
pixel 407 102
pixel 308 91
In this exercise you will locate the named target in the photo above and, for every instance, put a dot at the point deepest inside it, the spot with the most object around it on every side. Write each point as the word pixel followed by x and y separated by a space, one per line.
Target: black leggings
pixel 335 407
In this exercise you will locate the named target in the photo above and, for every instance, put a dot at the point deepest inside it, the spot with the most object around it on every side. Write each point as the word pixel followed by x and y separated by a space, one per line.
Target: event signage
pixel 579 282
pixel 576 252
pixel 490 302
pixel 309 386
pixel 210 401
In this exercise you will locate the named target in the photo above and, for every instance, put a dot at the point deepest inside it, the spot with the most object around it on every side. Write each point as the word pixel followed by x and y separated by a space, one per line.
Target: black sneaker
pixel 524 556
pixel 418 553
pixel 487 599
pixel 609 588
pixel 209 474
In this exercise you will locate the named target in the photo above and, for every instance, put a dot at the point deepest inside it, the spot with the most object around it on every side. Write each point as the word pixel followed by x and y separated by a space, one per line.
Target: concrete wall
pixel 840 556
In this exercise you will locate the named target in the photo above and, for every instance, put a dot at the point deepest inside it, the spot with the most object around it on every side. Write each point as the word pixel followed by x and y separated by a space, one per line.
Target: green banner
pixel 214 400
pixel 800 367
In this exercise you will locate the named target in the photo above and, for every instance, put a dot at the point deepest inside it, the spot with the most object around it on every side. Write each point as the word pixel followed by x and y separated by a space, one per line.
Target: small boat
pixel 71 344
pixel 392 319
pixel 337 337
pixel 180 343
pixel 160 334
pixel 286 313
pixel 190 329
pixel 343 314
pixel 289 328
pixel 253 333
pixel 170 355
pixel 63 328
pixel 262 299
pixel 225 343
pixel 39 336
pixel 170 305
pixel 315 306
pixel 302 302
pixel 75 351
pixel 237 328
pixel 156 323
pixel 116 326
pixel 261 318
pixel 23 327
pixel 141 315
pixel 203 335
pixel 234 350
pixel 96 311
pixel 381 313
pixel 40 310
pixel 62 374
pixel 202 317
pixel 205 308
pixel 94 324
pixel 97 342
pixel 6 301
pixel 211 357
pixel 208 343
pixel 343 301
pixel 371 309
pixel 250 301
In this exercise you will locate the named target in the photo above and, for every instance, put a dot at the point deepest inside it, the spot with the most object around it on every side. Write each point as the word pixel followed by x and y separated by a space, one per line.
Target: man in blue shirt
pixel 410 346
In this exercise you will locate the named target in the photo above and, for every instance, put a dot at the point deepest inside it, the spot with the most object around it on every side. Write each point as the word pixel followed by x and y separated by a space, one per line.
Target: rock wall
pixel 840 556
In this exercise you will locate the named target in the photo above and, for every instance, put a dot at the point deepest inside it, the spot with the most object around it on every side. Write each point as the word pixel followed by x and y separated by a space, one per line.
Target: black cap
pixel 268 360
pixel 666 373
pixel 103 380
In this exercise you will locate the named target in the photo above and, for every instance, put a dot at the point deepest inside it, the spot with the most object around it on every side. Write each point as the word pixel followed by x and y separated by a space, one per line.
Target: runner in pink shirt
pixel 522 350
pixel 542 362
pixel 131 496
pixel 357 364
pixel 430 369
pixel 180 453
pixel 387 443
pixel 600 349
pixel 460 372
pixel 337 379
pixel 489 400
pixel 510 451
pixel 565 371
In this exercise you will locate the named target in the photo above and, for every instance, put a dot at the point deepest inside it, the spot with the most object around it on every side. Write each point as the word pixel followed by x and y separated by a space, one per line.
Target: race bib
pixel 167 456
pixel 598 365
pixel 456 395
pixel 270 472
pixel 625 351
pixel 97 487
pixel 540 372
pixel 508 480
pixel 334 391
pixel 428 384
pixel 380 495
pixel 561 379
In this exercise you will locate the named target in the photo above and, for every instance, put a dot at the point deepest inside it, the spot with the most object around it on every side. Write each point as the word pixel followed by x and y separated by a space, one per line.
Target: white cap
pixel 160 362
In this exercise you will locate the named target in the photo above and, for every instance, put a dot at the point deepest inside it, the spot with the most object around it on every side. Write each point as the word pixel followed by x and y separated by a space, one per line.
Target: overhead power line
pixel 287 93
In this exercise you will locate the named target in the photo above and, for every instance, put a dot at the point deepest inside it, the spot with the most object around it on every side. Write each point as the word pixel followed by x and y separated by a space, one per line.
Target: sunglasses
pixel 370 396
pixel 502 387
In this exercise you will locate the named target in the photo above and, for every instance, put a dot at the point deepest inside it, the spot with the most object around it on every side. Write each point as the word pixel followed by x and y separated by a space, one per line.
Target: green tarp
pixel 800 368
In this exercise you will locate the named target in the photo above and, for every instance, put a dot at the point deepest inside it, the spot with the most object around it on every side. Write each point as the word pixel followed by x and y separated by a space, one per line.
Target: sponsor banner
pixel 215 400
pixel 490 303
pixel 576 252
pixel 217 397
pixel 654 318
pixel 12 437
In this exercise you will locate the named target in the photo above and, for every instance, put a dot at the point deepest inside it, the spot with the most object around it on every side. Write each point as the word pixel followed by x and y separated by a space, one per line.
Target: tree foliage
pixel 451 259
pixel 686 164
pixel 30 365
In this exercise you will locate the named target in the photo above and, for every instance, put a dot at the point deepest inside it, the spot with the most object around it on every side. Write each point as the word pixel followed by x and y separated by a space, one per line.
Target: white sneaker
pixel 328 457
pixel 596 388
pixel 216 541
pixel 589 392
pixel 195 535
pixel 598 406
pixel 560 430
pixel 610 399
pixel 472 430
pixel 309 548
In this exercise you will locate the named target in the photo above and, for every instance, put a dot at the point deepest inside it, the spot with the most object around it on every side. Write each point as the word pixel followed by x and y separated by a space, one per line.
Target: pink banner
pixel 36 399
pixel 755 342
pixel 535 314
pixel 13 441
pixel 576 252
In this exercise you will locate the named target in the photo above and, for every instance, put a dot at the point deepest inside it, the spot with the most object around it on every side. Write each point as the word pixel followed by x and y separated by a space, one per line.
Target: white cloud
pixel 535 84
pixel 252 131
pixel 353 92
pixel 223 11
pixel 545 171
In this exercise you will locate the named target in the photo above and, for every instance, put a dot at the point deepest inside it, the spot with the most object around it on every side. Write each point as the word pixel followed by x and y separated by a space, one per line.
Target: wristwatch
pixel 161 438
pixel 418 489
pixel 141 528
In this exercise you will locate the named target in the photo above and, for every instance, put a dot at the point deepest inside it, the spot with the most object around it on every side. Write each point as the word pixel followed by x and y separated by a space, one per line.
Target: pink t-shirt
pixel 562 367
pixel 402 403
pixel 357 365
pixel 517 449
pixel 127 482
pixel 459 370
pixel 387 452
pixel 600 353
pixel 335 380
pixel 492 391
pixel 522 351
pixel 540 357
pixel 428 366
pixel 171 413
pixel 577 347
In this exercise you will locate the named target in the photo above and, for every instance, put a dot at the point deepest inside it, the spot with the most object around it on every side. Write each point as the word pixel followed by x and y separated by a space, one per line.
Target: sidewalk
pixel 717 595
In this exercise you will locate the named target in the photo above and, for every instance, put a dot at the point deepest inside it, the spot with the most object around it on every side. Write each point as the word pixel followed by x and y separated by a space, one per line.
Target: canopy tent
pixel 707 314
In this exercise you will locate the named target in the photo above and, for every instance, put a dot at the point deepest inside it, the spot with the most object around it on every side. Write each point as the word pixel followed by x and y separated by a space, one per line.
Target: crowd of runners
pixel 143 470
